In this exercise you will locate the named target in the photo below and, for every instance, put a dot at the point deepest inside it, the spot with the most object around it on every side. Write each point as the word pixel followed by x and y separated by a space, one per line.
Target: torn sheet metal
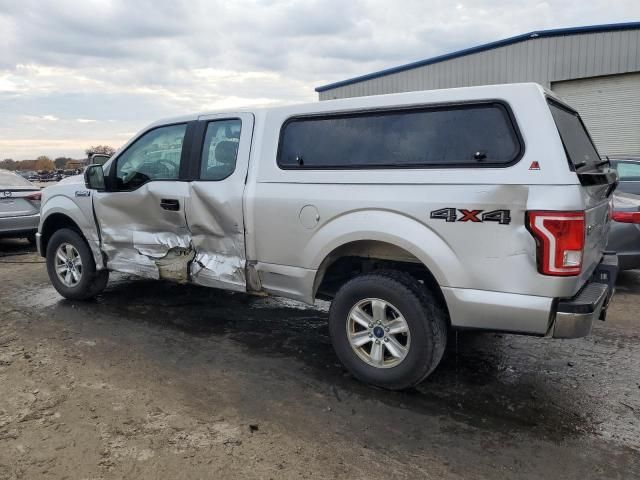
pixel 158 244
pixel 154 255
pixel 219 271
pixel 175 264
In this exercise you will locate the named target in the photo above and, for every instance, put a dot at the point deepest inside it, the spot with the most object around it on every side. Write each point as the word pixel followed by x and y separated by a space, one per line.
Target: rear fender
pixel 392 228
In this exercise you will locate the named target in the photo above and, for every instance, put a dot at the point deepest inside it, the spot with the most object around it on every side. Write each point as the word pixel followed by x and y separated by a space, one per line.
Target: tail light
pixel 560 239
pixel 626 217
pixel 37 196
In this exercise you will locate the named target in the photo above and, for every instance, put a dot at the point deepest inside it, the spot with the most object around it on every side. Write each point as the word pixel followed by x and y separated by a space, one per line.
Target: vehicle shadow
pixel 628 280
pixel 484 379
pixel 15 246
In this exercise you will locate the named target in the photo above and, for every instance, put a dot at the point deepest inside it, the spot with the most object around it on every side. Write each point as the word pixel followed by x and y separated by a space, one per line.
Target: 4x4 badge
pixel 503 217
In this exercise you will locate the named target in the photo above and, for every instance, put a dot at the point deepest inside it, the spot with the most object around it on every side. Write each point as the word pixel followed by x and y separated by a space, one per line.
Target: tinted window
pixel 154 156
pixel 578 145
pixel 629 171
pixel 472 135
pixel 220 149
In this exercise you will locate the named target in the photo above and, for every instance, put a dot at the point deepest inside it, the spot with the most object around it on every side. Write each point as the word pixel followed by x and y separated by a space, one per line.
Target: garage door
pixel 610 107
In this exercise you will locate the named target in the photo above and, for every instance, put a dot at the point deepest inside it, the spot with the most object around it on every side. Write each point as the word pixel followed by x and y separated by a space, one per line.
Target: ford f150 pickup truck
pixel 415 214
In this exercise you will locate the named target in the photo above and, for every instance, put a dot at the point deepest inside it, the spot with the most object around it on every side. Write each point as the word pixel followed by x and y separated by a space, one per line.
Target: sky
pixel 80 73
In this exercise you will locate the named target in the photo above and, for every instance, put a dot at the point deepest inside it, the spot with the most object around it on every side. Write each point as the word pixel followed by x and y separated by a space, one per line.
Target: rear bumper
pixel 19 226
pixel 574 316
pixel 533 315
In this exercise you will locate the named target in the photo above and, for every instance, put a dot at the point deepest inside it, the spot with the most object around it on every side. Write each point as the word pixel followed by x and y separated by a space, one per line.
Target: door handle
pixel 170 204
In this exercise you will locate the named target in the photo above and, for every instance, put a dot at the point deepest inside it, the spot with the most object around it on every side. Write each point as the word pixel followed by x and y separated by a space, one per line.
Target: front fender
pixel 393 228
pixel 80 211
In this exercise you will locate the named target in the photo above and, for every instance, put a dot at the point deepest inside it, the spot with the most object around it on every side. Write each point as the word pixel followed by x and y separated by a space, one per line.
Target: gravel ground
pixel 157 380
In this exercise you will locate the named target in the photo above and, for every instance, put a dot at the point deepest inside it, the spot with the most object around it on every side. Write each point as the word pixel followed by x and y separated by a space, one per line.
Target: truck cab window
pixel 154 156
pixel 220 149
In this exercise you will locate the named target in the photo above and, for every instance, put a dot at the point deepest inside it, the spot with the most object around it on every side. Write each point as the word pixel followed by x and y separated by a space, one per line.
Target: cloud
pixel 41 118
pixel 103 67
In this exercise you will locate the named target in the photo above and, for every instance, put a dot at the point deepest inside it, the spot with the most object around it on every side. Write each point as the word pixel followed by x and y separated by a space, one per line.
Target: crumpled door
pixel 143 228
pixel 140 236
pixel 214 207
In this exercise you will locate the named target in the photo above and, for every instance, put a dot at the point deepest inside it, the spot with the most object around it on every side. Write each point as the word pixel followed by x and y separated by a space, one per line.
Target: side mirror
pixel 94 177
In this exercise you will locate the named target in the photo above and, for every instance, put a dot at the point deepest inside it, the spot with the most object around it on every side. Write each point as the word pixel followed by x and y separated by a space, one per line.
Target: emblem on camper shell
pixel 503 217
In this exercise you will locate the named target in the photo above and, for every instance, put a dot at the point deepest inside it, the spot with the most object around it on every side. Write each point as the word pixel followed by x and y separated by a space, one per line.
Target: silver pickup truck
pixel 415 214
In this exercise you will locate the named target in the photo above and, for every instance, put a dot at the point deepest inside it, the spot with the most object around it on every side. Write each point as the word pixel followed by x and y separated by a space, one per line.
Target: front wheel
pixel 388 329
pixel 71 267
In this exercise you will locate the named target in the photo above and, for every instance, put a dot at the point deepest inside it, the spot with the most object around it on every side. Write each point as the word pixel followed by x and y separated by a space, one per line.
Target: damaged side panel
pixel 202 242
pixel 214 213
pixel 185 231
pixel 140 237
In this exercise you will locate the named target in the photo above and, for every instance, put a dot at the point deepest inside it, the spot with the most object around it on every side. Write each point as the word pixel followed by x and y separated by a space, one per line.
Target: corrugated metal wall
pixel 610 107
pixel 543 60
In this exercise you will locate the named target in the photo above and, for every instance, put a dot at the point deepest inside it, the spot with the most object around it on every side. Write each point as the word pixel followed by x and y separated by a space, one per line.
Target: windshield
pixel 581 151
pixel 627 171
pixel 10 179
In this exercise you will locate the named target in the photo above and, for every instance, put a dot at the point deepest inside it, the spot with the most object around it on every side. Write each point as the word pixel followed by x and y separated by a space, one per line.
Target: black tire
pixel 91 282
pixel 426 320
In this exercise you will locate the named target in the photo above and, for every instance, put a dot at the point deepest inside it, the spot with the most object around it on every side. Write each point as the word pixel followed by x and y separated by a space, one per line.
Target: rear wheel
pixel 71 267
pixel 388 329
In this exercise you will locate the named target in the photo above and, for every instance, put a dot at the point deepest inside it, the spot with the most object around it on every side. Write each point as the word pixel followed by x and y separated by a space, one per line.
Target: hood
pixel 72 179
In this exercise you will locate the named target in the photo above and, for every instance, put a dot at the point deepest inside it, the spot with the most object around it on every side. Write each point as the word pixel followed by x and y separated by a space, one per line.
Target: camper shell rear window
pixel 578 145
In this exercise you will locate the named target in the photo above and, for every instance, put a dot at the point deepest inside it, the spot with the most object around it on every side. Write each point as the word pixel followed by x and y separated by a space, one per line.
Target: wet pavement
pixel 499 406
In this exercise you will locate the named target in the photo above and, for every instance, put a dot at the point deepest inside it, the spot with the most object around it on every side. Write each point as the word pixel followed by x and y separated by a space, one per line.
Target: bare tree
pixel 44 163
pixel 103 149
pixel 8 164
pixel 60 162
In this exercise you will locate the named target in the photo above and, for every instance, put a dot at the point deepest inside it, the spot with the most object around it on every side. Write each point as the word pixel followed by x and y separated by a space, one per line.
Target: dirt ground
pixel 156 380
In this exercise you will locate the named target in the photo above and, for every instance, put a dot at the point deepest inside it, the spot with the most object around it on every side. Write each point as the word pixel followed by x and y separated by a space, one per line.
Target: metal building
pixel 596 69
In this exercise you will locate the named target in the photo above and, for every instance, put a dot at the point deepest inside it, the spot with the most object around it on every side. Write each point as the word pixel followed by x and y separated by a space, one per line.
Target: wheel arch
pixel 387 237
pixel 57 220
pixel 365 256
pixel 54 222
pixel 60 211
